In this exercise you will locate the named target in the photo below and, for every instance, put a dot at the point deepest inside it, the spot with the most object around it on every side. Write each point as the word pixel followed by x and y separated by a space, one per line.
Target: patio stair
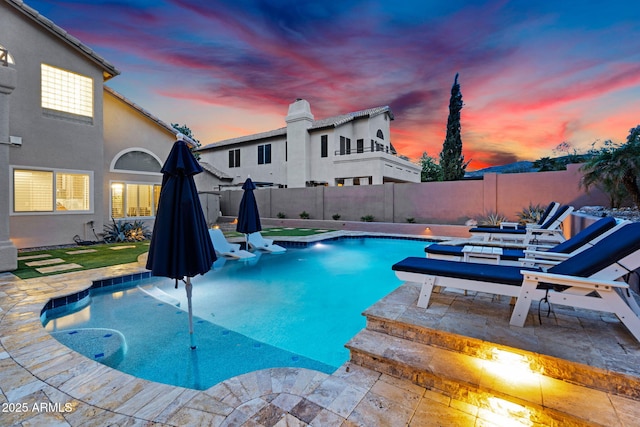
pixel 470 375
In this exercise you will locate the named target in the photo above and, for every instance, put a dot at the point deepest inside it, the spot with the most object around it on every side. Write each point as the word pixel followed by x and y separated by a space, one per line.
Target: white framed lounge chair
pixel 226 249
pixel 533 256
pixel 591 279
pixel 549 232
pixel 551 209
pixel 256 241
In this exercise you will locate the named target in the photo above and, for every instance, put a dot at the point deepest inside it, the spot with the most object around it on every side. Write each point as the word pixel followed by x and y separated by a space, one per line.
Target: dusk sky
pixel 533 74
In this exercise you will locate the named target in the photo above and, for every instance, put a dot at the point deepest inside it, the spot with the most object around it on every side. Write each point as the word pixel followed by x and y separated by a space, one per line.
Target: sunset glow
pixel 532 74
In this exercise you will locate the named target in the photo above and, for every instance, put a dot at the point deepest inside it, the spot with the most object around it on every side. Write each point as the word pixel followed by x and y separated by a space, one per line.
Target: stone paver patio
pixel 43 383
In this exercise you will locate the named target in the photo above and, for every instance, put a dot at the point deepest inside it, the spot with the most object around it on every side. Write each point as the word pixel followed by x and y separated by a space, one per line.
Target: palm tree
pixel 616 168
pixel 545 164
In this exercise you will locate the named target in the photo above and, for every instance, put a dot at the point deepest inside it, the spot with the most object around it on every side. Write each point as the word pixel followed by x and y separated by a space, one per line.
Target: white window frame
pixel 128 150
pixel 126 182
pixel 54 171
pixel 77 102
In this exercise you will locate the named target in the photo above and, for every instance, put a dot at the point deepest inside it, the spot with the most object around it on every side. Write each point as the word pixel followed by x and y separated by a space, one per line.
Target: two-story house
pixel 348 149
pixel 73 152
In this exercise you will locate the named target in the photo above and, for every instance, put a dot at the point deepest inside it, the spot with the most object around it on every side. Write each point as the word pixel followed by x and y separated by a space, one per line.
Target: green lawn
pixel 275 232
pixel 89 257
pixel 77 258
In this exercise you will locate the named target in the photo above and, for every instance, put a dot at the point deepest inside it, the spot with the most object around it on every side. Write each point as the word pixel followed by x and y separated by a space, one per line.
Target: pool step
pixel 477 385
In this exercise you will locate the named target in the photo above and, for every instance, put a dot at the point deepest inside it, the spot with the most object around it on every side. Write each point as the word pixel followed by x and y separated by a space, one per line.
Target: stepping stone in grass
pixel 57 268
pixel 81 251
pixel 26 257
pixel 45 262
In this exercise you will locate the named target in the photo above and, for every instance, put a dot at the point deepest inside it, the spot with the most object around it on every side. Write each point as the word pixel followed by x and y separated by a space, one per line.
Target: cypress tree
pixel 451 158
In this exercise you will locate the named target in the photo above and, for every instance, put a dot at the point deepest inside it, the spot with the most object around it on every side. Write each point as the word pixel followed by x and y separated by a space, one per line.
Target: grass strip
pixel 103 256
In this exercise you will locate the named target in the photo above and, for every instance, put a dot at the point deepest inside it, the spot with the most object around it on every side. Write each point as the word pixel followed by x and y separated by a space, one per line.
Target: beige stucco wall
pixel 125 129
pixel 49 142
pixel 429 203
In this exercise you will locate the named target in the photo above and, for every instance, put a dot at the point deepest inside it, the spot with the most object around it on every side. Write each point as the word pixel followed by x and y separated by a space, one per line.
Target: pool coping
pixel 39 371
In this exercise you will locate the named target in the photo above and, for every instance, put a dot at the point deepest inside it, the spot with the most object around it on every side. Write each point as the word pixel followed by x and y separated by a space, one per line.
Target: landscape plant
pixel 336 217
pixel 367 218
pixel 304 215
pixel 492 219
pixel 126 231
pixel 281 215
pixel 615 169
pixel 531 213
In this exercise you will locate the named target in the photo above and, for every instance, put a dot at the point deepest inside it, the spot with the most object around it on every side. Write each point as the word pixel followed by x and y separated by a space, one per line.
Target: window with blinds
pixel 134 200
pixel 72 192
pixel 49 191
pixel 32 191
pixel 66 91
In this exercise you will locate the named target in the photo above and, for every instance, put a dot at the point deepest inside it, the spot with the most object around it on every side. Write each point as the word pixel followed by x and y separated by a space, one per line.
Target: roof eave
pixel 108 70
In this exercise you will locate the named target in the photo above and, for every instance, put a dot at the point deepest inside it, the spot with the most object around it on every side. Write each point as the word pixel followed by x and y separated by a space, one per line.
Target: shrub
pixel 126 231
pixel 304 215
pixel 367 218
pixel 492 218
pixel 281 215
pixel 411 220
pixel 336 217
pixel 531 214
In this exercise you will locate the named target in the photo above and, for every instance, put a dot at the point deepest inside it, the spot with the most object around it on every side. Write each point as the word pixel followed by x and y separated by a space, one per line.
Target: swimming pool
pixel 294 309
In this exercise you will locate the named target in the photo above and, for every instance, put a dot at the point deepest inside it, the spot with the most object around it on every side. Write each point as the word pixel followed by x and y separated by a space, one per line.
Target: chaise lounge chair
pixel 515 256
pixel 226 249
pixel 587 280
pixel 256 241
pixel 550 231
pixel 548 213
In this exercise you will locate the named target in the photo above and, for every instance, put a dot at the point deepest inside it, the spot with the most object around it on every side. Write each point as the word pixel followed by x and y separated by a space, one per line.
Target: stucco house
pixel 73 152
pixel 348 149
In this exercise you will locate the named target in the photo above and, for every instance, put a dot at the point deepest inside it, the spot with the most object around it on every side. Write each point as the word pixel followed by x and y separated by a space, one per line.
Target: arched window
pixel 380 134
pixel 136 160
pixel 5 56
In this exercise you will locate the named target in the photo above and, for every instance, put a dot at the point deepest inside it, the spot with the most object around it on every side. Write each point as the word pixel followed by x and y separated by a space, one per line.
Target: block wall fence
pixel 452 202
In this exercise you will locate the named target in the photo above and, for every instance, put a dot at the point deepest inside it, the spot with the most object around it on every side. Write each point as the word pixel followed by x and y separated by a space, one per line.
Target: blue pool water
pixel 295 309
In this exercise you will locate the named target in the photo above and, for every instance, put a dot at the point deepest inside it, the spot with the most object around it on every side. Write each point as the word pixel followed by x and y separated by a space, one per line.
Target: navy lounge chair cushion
pixel 545 214
pixel 606 252
pixel 585 236
pixel 566 247
pixel 496 230
pixel 463 270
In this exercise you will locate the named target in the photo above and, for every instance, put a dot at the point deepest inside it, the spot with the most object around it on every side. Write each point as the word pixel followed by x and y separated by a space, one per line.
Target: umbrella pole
pixel 188 287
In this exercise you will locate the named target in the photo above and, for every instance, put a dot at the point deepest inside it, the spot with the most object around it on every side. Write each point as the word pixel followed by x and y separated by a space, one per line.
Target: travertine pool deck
pixel 43 383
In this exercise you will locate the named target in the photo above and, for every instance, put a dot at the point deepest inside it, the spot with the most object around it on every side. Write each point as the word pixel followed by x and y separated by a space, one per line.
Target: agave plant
pixel 531 214
pixel 125 231
pixel 492 219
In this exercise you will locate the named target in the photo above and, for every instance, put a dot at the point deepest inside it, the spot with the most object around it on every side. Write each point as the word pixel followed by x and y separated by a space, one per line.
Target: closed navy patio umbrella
pixel 248 215
pixel 180 244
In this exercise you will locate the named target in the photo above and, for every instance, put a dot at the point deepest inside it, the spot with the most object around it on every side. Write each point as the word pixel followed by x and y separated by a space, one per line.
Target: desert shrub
pixel 367 218
pixel 126 231
pixel 336 217
pixel 531 214
pixel 492 219
pixel 304 215
pixel 281 215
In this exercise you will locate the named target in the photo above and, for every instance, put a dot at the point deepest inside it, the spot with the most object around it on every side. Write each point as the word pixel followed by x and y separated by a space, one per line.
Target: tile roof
pixel 341 119
pixel 334 121
pixel 215 171
pixel 247 138
pixel 109 70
